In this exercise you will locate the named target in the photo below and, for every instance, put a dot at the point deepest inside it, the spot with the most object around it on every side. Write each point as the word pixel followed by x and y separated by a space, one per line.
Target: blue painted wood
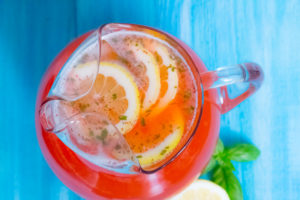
pixel 221 32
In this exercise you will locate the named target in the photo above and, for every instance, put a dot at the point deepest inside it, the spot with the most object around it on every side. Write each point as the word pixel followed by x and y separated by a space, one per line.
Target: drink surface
pixel 146 89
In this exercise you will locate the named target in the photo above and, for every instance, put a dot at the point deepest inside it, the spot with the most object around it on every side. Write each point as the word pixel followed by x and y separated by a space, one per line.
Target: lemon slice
pixel 168 74
pixel 169 77
pixel 158 153
pixel 202 190
pixel 114 94
pixel 152 73
pixel 174 127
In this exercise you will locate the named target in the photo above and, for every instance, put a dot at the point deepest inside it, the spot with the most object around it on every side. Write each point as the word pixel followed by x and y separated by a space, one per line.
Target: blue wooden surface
pixel 221 32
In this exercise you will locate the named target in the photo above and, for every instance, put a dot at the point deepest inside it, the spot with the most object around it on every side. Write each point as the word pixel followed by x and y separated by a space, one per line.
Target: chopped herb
pixel 123 117
pixel 139 65
pixel 83 107
pixel 91 133
pixel 175 86
pixel 114 96
pixel 181 68
pixel 178 60
pixel 166 147
pixel 172 56
pixel 139 156
pixel 103 135
pixel 163 152
pixel 157 57
pixel 190 109
pixel 85 56
pixel 170 66
pixel 173 69
pixel 136 44
pixel 156 136
pixel 99 137
pixel 148 112
pixel 96 103
pixel 143 121
pixel 123 60
pixel 104 132
pixel 105 122
pixel 187 94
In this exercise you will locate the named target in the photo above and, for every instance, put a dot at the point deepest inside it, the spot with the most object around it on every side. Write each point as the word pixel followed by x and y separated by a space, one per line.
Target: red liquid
pixel 92 182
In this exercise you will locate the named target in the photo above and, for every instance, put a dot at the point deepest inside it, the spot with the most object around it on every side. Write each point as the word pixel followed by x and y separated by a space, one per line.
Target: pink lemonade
pixel 150 91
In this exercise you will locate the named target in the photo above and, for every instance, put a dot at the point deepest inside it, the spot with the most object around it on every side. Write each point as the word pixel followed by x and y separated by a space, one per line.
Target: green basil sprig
pixel 222 168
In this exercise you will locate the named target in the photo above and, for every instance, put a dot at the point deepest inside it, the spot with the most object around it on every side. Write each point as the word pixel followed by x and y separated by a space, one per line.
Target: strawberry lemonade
pixel 145 88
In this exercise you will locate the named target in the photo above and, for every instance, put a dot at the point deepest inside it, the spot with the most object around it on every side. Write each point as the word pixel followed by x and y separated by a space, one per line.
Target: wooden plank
pixel 31 34
pixel 268 33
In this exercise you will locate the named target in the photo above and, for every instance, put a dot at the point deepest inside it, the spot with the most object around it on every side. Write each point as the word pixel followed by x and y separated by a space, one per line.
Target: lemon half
pixel 202 190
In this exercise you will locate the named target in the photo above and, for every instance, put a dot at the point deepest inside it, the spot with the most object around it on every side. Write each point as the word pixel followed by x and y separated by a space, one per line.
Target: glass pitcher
pixel 122 176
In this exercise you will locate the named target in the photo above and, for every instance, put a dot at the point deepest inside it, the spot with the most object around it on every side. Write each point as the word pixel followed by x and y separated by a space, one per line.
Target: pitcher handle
pixel 250 73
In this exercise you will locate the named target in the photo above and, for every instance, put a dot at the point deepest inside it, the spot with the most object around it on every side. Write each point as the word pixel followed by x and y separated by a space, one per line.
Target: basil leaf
pixel 219 147
pixel 211 165
pixel 225 162
pixel 242 152
pixel 224 177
